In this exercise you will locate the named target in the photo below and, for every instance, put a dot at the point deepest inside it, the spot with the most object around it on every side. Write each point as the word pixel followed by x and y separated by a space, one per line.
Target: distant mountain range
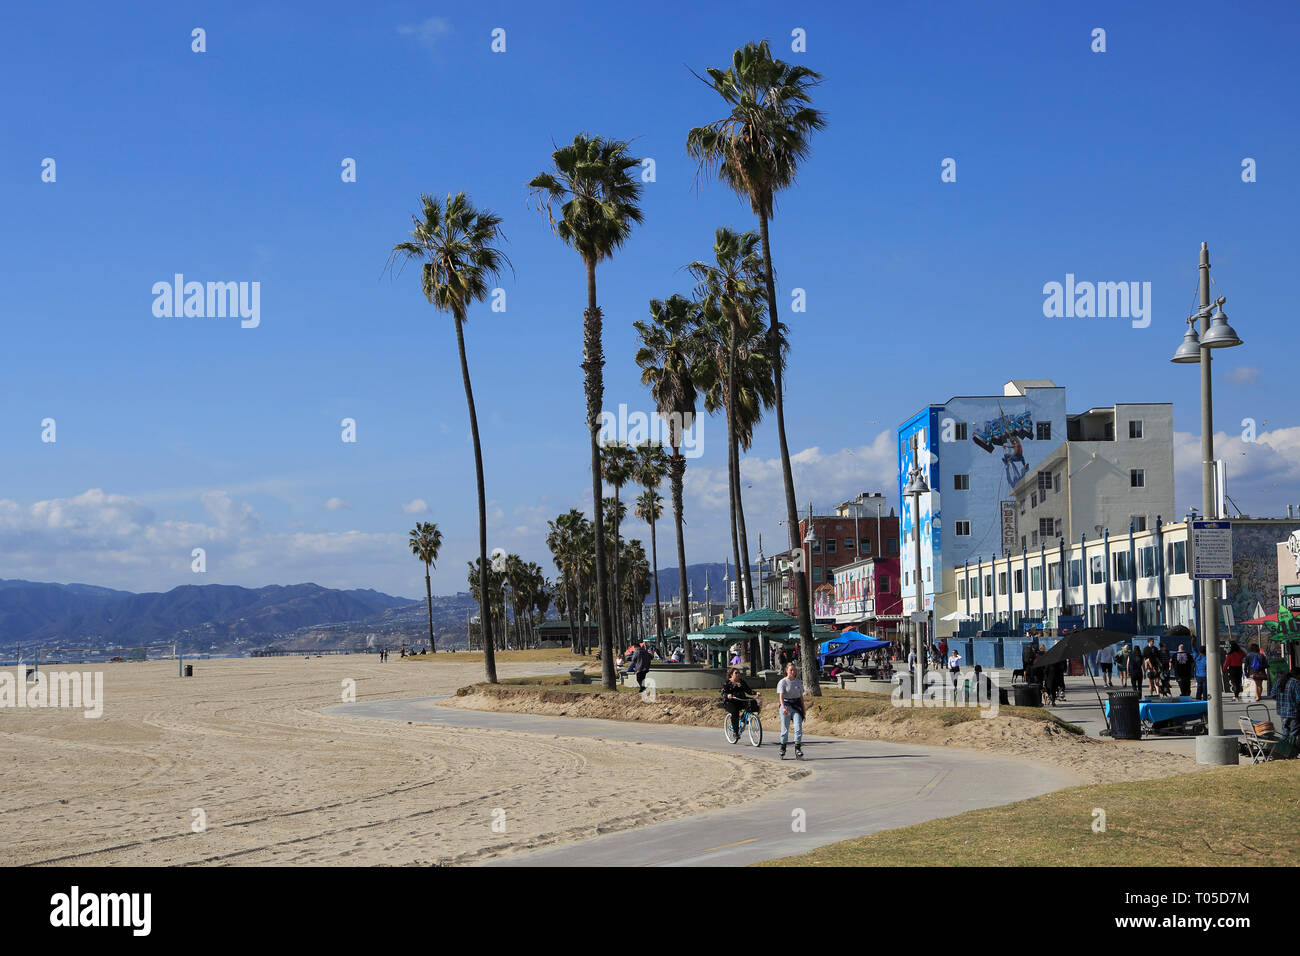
pixel 199 617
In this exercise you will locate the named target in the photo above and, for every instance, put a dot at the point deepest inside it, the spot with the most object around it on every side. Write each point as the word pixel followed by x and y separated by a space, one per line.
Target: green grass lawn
pixel 1230 816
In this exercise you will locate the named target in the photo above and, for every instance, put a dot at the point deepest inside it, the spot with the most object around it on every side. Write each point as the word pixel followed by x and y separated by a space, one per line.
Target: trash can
pixel 1125 723
pixel 577 676
pixel 1028 695
pixel 189 670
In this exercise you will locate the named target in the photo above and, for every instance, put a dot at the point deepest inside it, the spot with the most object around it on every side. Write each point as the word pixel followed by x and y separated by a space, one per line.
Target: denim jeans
pixel 1201 687
pixel 788 716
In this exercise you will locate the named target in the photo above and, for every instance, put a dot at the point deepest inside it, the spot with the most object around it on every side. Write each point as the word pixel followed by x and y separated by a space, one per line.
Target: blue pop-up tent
pixel 848 644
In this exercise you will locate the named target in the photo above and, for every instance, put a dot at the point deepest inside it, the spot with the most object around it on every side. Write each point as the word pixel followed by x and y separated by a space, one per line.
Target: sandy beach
pixel 275 781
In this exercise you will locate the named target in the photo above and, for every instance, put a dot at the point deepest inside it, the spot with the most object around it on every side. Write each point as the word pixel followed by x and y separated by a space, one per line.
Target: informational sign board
pixel 1211 550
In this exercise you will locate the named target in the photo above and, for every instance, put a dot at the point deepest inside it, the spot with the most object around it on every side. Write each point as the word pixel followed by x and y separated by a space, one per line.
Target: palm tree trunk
pixel 654 560
pixel 617 613
pixel 807 652
pixel 489 658
pixel 732 463
pixel 744 554
pixel 428 594
pixel 676 469
pixel 593 361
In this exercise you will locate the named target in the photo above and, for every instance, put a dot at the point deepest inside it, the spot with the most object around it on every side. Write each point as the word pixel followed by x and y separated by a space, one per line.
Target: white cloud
pixel 428 33
pixel 117 541
pixel 1263 475
pixel 337 504
pixel 1244 375
pixel 416 506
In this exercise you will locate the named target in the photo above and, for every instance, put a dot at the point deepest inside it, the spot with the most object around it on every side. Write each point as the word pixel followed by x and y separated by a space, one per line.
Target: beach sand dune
pixel 243 748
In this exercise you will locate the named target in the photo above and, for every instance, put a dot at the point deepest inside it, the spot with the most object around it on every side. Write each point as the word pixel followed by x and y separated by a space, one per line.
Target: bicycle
pixel 748 723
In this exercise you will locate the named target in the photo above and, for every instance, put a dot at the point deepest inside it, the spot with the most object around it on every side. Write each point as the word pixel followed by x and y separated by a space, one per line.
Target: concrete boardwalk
pixel 852 787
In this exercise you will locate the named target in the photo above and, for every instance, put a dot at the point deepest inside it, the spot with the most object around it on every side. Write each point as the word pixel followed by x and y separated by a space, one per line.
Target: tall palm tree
pixel 598 200
pixel 426 542
pixel 560 541
pixel 651 469
pixel 455 245
pixel 667 358
pixel 731 286
pixel 616 462
pixel 755 149
pixel 650 508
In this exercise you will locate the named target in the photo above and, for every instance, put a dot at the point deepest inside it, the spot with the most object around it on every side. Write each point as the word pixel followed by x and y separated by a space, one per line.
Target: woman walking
pixel 1135 669
pixel 789 692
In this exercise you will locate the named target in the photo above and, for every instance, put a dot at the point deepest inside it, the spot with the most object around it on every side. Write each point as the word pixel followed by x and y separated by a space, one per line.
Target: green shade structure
pixel 764 619
pixel 719 634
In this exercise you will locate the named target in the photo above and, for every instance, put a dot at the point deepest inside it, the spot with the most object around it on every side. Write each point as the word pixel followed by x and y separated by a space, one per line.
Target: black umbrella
pixel 1080 642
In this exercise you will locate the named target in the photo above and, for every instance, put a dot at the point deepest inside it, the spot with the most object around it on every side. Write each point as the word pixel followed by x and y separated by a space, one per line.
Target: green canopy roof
pixel 719 634
pixel 764 619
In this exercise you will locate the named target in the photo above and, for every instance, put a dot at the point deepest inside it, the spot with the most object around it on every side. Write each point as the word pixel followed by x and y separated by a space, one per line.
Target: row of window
pixel 1175 563
pixel 833 543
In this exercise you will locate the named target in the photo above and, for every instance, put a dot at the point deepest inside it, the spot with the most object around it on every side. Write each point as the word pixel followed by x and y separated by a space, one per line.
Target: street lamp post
pixel 916 487
pixel 810 539
pixel 1215 333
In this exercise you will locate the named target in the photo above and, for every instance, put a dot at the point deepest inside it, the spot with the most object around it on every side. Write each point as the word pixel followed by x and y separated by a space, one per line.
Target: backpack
pixel 1257 662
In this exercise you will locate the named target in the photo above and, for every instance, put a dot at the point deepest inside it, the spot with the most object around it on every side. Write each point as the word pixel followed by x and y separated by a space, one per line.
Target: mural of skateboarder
pixel 1007 431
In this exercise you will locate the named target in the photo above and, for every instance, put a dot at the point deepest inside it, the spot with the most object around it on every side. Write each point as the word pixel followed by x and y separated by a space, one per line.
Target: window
pixel 1098 567
pixel 1046 527
pixel 830 545
pixel 1044 482
pixel 1138 522
pixel 1137 478
pixel 927 574
pixel 961 589
pixel 1056 483
pixel 1147 562
pixel 848 544
pixel 893 546
pixel 866 546
pixel 959 431
pixel 1002 582
pixel 1177 557
pixel 988 585
pixel 1054 575
pixel 1020 582
pixel 1122 567
pixel 1076 572
pixel 1058 527
pixel 961 528
pixel 1044 432
pixel 1135 428
pixel 961 482
pixel 884 583
pixel 817 575
pixel 1036 579
pixel 1033 500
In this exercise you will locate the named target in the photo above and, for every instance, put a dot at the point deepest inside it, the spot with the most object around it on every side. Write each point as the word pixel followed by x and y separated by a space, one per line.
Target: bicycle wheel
pixel 755 730
pixel 730 734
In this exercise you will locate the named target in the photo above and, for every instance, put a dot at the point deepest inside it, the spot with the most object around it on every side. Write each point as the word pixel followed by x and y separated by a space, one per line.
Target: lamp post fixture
pixel 1215 333
pixel 916 487
pixel 810 539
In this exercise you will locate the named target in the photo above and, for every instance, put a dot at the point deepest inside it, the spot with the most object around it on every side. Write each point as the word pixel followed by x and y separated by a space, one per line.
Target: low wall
pixel 680 677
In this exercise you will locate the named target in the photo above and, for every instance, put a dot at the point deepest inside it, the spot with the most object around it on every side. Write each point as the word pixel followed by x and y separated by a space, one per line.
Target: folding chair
pixel 1258 736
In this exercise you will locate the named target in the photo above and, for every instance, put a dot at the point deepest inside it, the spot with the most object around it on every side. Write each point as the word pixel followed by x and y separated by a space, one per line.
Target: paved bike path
pixel 853 787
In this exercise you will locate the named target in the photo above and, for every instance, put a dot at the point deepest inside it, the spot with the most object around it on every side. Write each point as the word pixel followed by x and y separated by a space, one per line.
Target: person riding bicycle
pixel 737 696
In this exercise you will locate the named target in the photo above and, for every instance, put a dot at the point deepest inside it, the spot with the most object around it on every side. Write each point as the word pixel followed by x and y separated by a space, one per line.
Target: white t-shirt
pixel 789 688
pixel 954 661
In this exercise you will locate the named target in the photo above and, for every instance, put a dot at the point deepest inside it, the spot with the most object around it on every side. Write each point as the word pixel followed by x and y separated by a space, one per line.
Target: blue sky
pixel 225 166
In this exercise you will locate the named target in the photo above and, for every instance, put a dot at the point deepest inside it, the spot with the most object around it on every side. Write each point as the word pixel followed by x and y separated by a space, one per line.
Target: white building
pixel 1115 468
